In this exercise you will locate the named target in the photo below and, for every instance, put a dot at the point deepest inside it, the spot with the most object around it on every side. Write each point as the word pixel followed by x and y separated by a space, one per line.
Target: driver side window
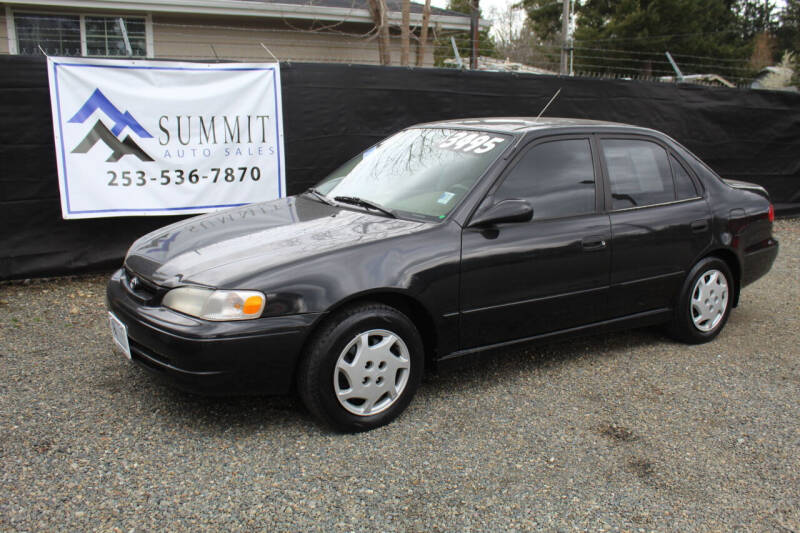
pixel 555 177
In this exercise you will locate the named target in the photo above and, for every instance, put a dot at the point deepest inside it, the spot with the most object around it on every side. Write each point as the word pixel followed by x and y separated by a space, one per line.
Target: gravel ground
pixel 628 431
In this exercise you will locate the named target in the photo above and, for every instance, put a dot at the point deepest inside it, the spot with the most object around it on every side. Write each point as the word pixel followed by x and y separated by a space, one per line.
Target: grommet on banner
pixel 269 52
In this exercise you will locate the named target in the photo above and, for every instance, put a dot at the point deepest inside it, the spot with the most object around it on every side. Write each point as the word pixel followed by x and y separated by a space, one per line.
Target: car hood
pixel 219 248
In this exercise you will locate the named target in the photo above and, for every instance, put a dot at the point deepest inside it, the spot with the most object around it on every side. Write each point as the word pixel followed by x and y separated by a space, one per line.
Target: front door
pixel 520 280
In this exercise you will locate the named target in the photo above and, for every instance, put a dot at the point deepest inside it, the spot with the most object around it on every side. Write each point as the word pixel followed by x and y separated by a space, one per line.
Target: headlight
pixel 216 305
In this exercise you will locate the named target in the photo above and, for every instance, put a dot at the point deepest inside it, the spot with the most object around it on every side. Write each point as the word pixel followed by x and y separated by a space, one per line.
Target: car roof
pixel 520 125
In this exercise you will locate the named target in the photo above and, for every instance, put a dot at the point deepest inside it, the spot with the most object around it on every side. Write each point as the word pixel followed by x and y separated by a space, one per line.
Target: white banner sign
pixel 165 138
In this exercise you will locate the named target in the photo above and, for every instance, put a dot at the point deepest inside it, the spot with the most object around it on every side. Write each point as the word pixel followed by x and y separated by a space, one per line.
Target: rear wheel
pixel 704 303
pixel 361 368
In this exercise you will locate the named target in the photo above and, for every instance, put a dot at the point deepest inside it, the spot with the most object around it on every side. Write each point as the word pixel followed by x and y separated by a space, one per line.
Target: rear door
pixel 660 224
pixel 523 279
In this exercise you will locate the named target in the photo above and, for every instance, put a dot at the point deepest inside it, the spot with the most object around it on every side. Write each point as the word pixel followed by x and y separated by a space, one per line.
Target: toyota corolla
pixel 443 240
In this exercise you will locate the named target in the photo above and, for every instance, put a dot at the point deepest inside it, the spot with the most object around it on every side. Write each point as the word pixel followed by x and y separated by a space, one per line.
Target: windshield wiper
pixel 354 200
pixel 320 196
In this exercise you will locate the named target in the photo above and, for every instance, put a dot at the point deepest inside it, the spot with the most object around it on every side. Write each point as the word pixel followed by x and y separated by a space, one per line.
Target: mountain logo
pixel 110 138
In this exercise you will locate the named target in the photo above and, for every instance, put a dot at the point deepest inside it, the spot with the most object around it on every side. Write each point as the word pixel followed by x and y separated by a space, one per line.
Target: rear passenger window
pixel 684 186
pixel 639 173
pixel 556 177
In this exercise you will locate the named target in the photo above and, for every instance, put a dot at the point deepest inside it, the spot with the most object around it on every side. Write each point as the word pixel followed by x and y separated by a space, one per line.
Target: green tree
pixel 544 17
pixel 788 31
pixel 705 32
pixel 631 36
pixel 756 17
pixel 757 24
pixel 789 35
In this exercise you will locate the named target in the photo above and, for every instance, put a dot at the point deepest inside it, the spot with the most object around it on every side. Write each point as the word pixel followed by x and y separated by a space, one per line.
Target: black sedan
pixel 443 240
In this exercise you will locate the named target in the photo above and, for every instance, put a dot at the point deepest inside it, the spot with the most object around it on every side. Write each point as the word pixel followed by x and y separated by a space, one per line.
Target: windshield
pixel 419 171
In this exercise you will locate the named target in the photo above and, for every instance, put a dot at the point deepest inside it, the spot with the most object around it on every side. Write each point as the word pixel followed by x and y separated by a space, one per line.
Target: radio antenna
pixel 548 105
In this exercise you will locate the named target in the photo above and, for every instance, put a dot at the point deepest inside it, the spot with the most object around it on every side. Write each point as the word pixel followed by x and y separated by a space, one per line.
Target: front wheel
pixel 361 368
pixel 704 303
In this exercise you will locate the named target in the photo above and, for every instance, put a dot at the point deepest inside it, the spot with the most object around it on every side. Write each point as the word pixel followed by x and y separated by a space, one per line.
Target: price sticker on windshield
pixel 471 142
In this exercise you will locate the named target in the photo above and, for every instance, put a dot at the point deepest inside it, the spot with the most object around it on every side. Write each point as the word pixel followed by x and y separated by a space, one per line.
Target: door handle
pixel 593 243
pixel 699 226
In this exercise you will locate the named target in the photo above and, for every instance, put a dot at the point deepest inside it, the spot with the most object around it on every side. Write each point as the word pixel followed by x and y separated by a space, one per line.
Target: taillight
pixel 771 214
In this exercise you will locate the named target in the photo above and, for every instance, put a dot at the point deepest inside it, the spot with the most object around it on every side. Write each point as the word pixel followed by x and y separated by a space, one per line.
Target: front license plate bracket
pixel 120 334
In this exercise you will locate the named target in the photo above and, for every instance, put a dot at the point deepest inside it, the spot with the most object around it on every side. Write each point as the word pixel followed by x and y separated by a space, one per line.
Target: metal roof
pixel 523 124
pixel 392 5
pixel 356 11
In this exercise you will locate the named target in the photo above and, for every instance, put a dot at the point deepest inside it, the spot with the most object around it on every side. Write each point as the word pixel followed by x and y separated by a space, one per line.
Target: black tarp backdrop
pixel 331 112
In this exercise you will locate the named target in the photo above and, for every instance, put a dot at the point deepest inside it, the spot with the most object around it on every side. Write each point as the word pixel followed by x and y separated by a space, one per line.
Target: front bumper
pixel 238 357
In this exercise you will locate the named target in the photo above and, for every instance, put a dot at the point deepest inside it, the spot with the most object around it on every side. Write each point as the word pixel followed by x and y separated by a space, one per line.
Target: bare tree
pixel 515 39
pixel 405 44
pixel 423 34
pixel 377 9
pixel 507 24
pixel 764 45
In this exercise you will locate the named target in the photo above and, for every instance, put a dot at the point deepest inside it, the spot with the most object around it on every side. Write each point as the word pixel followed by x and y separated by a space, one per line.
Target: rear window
pixel 639 173
pixel 684 186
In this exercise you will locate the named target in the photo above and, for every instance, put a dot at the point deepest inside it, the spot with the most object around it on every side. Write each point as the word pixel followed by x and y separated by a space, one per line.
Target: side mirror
pixel 511 210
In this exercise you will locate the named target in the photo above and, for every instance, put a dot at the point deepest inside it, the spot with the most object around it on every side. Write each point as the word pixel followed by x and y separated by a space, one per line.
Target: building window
pixel 58 35
pixel 80 35
pixel 105 36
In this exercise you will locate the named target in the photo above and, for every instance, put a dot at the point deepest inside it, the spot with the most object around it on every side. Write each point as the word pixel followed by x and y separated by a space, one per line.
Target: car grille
pixel 142 290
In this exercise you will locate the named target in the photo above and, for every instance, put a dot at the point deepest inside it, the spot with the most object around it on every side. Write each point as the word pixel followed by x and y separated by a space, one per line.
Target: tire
pixel 704 303
pixel 361 368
